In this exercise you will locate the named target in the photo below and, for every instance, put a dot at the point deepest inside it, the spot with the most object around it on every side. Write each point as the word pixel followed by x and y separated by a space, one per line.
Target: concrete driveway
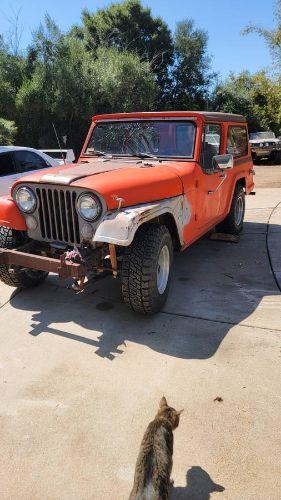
pixel 81 377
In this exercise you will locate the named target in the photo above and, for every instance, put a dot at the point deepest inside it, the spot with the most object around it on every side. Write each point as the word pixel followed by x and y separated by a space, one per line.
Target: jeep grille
pixel 58 218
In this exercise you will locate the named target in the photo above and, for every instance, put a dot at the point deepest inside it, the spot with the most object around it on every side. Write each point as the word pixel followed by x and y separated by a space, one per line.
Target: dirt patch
pixel 268 176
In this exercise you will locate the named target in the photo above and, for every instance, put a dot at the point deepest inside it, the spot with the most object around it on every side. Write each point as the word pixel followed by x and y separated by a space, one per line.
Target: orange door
pixel 210 182
pixel 209 196
pixel 204 196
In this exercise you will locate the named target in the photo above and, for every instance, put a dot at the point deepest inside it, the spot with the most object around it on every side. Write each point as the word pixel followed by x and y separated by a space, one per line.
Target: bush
pixel 8 132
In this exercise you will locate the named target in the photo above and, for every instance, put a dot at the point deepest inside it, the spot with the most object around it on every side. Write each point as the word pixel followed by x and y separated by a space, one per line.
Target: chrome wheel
pixel 239 211
pixel 163 269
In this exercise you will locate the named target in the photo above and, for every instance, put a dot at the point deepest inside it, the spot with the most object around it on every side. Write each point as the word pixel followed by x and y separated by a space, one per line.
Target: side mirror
pixel 223 162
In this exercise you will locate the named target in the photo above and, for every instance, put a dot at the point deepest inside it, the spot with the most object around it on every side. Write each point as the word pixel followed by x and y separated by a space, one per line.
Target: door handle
pixel 223 177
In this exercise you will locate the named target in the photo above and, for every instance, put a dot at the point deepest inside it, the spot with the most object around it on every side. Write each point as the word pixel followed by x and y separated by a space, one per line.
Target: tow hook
pixel 78 285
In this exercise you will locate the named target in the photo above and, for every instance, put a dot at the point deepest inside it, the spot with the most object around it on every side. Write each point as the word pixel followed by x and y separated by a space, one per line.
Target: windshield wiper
pixel 101 153
pixel 145 155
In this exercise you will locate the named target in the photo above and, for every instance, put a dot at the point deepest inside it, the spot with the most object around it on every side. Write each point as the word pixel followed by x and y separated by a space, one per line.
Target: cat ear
pixel 163 402
pixel 179 412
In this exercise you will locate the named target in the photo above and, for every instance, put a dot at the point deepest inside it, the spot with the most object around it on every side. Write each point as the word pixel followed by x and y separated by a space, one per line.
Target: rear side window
pixel 6 164
pixel 237 141
pixel 27 160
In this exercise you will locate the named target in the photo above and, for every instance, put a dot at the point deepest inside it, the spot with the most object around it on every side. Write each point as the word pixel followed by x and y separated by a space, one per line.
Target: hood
pixel 136 181
pixel 262 141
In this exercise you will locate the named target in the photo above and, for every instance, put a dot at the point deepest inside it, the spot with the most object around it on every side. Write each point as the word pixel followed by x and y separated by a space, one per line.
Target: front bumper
pixel 262 153
pixel 61 265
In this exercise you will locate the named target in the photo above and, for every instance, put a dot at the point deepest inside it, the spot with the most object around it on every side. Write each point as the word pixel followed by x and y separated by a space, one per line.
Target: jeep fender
pixel 119 228
pixel 10 215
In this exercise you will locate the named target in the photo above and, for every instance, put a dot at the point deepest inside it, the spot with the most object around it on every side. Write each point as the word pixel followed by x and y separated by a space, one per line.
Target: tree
pixel 14 35
pixel 191 75
pixel 11 78
pixel 272 37
pixel 267 101
pixel 235 95
pixel 8 132
pixel 124 83
pixel 121 59
pixel 130 27
pixel 65 85
pixel 258 97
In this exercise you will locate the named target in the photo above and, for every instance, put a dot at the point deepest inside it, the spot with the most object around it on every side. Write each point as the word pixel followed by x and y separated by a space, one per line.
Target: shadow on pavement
pixel 199 486
pixel 221 284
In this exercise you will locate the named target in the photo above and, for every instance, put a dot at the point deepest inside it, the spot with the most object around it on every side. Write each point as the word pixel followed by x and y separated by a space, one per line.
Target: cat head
pixel 169 413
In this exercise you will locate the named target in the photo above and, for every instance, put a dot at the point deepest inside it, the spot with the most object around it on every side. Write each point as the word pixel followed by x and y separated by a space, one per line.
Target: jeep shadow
pixel 215 286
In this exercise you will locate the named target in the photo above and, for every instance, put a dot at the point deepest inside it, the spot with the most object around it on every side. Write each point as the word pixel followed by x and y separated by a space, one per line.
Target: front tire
pixel 233 223
pixel 16 276
pixel 146 269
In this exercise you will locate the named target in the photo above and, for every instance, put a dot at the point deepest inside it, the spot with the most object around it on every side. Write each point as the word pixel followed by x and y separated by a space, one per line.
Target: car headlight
pixel 26 200
pixel 88 206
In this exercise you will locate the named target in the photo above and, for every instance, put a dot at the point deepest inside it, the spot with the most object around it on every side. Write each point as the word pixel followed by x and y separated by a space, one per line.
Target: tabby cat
pixel 154 464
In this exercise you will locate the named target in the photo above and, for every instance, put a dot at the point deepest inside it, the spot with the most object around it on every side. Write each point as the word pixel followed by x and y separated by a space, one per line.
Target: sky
pixel 222 19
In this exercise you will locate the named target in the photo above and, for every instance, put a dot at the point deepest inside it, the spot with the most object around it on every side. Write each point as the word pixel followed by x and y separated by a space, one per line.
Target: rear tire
pixel 146 269
pixel 233 223
pixel 16 276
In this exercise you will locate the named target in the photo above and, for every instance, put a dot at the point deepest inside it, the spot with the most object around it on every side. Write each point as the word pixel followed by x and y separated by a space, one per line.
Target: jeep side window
pixel 6 164
pixel 210 145
pixel 237 141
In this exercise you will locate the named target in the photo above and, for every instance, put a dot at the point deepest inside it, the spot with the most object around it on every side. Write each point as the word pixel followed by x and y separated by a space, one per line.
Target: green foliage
pixel 11 77
pixel 8 132
pixel 120 59
pixel 258 97
pixel 235 96
pixel 57 89
pixel 65 85
pixel 191 74
pixel 124 83
pixel 130 27
pixel 267 101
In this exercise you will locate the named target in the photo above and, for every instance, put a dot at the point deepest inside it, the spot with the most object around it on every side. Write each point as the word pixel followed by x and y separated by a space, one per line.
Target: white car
pixel 16 161
pixel 61 155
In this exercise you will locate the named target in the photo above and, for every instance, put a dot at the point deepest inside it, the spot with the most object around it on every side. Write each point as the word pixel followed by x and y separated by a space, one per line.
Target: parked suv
pixel 264 145
pixel 146 184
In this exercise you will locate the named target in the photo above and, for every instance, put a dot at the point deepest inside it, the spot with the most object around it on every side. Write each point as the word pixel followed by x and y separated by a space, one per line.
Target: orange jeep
pixel 145 184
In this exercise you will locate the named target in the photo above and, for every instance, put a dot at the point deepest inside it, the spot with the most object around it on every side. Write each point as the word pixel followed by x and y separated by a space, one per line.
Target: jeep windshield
pixel 144 139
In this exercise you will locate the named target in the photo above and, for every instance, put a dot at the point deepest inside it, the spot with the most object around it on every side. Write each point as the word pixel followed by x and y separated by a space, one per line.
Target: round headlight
pixel 88 206
pixel 26 200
